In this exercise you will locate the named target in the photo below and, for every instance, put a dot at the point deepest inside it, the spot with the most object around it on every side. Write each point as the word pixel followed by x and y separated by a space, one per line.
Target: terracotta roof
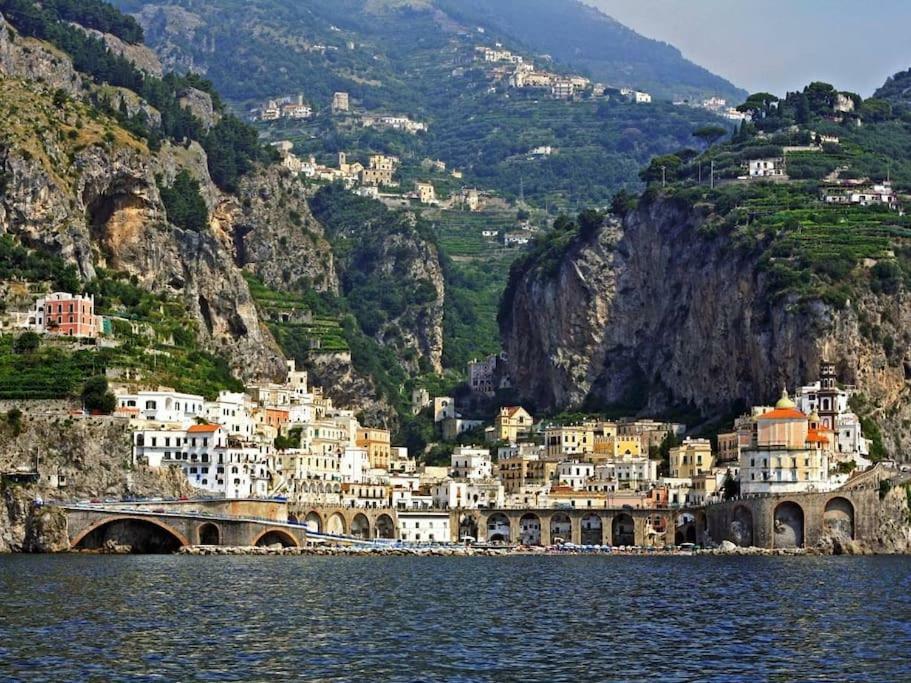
pixel 814 437
pixel 783 414
pixel 195 429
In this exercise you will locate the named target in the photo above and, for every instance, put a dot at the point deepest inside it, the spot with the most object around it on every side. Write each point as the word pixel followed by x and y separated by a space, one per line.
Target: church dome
pixel 785 401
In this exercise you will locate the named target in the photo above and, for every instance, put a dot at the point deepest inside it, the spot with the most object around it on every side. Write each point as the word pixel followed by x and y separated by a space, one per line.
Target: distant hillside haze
pixel 584 37
pixel 575 35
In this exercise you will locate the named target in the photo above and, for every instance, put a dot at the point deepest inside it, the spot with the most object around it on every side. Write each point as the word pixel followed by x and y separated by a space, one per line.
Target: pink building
pixel 67 314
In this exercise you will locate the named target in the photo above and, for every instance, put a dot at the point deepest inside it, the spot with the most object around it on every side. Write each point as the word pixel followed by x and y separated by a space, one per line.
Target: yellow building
pixel 522 471
pixel 610 447
pixel 427 194
pixel 563 440
pixel 691 458
pixel 376 441
pixel 340 102
pixel 510 423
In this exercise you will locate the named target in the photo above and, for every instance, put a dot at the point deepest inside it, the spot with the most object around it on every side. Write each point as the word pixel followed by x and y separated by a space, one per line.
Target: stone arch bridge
pixel 793 520
pixel 167 529
pixel 582 526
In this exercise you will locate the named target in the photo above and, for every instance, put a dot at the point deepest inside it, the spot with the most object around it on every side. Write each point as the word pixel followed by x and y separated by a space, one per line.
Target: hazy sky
pixel 779 45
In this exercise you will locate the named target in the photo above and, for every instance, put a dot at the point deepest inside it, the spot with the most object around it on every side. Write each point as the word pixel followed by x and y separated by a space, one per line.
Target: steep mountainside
pixel 698 301
pixel 418 59
pixel 77 185
pixel 586 38
pixel 144 191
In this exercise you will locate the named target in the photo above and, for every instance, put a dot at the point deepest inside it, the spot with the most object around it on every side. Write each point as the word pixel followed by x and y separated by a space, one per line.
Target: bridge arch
pixel 142 534
pixel 498 528
pixel 360 526
pixel 384 527
pixel 685 528
pixel 656 527
pixel 561 526
pixel 838 518
pixel 468 527
pixel 336 524
pixel 276 536
pixel 313 522
pixel 788 525
pixel 623 530
pixel 592 529
pixel 209 534
pixel 530 529
pixel 741 530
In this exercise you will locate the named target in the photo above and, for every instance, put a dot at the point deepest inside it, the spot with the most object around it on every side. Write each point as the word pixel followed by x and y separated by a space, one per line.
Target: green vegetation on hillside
pixel 805 245
pixel 184 205
pixel 232 146
pixel 401 58
pixel 153 336
pixel 585 38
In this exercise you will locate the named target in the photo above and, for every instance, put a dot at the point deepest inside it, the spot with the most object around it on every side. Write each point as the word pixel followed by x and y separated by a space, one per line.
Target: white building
pixel 574 474
pixel 162 406
pixel 153 446
pixel 232 410
pixel 628 472
pixel 453 494
pixel 766 168
pixel 471 462
pixel 354 463
pixel 424 526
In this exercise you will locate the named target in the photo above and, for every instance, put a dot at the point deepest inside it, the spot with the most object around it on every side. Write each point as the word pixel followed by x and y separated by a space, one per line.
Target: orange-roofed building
pixel 203 429
pixel 789 452
pixel 511 423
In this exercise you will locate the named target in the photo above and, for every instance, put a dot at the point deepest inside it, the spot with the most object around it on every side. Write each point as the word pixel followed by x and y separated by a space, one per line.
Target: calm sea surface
pixel 169 618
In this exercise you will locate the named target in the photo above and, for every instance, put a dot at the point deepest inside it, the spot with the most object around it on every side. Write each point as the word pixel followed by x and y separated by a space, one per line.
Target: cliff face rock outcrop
pixel 351 389
pixel 142 56
pixel 27 58
pixel 417 333
pixel 77 458
pixel 79 186
pixel 653 315
pixel 274 235
pixel 171 27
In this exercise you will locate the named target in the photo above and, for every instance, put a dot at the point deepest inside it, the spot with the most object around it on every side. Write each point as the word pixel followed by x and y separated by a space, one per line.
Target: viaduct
pixel 766 521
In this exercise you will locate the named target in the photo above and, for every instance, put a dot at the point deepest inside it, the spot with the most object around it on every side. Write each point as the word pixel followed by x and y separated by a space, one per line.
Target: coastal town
pixel 288 441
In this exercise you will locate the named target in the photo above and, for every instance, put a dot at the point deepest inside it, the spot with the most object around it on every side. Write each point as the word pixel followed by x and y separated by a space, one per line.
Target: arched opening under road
pixel 276 537
pixel 592 529
pixel 684 528
pixel 360 526
pixel 385 527
pixel 498 528
pixel 530 529
pixel 468 528
pixel 623 530
pixel 561 528
pixel 313 522
pixel 838 518
pixel 788 525
pixel 741 531
pixel 141 536
pixel 336 524
pixel 209 534
pixel 656 530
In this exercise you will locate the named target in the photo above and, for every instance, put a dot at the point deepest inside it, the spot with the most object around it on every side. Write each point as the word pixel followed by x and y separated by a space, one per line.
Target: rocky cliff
pixel 77 458
pixel 416 333
pixel 78 185
pixel 653 314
